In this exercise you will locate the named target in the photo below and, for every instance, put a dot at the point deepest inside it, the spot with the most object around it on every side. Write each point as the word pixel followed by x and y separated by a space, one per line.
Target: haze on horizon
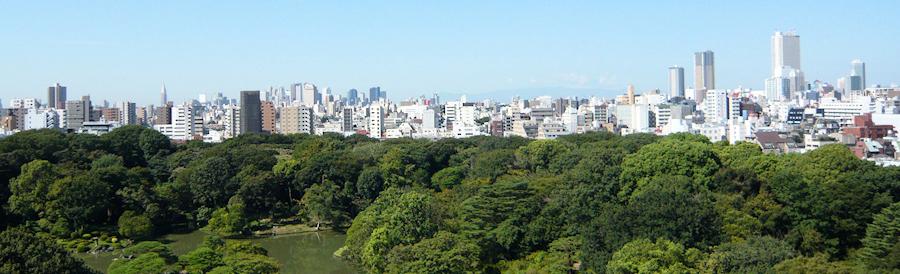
pixel 120 51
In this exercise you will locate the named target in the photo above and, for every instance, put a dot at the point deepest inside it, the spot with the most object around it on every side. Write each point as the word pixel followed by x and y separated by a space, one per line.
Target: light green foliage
pixel 229 220
pixel 396 218
pixel 537 155
pixel 445 253
pixel 201 260
pixel 819 263
pixel 662 256
pixel 695 160
pixel 561 257
pixel 32 189
pixel 251 263
pixel 147 247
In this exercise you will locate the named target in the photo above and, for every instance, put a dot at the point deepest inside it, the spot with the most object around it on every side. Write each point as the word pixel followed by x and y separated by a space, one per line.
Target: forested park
pixel 584 203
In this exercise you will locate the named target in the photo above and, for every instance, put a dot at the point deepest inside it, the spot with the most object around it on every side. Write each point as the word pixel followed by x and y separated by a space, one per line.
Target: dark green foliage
pixel 483 204
pixel 881 246
pixel 756 255
pixel 24 251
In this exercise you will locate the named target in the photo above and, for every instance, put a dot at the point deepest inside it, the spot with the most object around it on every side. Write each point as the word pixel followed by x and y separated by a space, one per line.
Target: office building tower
pixel 859 69
pixel 352 97
pixel 310 95
pixel 296 89
pixel 56 97
pixel 374 94
pixel 704 74
pixel 268 116
pixel 163 98
pixel 676 81
pixel 435 99
pixel 785 51
pixel 251 112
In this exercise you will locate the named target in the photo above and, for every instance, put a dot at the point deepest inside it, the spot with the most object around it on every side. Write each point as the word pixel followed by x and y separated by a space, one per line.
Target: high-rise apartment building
pixel 251 112
pixel 859 69
pixel 127 113
pixel 676 81
pixel 704 74
pixel 376 121
pixel 56 97
pixel 297 119
pixel 78 112
pixel 785 51
pixel 268 116
pixel 347 119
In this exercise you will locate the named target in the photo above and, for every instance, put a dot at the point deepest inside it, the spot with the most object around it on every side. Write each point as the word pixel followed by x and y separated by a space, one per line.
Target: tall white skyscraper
pixel 785 51
pixel 676 81
pixel 859 69
pixel 309 95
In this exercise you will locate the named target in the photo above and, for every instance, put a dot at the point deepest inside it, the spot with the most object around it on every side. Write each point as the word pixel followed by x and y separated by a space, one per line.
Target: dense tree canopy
pixel 594 202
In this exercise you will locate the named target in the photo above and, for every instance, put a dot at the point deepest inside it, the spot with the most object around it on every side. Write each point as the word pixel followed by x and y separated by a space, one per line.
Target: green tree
pixel 24 251
pixel 445 253
pixel 537 155
pixel 229 219
pixel 30 191
pixel 662 256
pixel 759 254
pixel 252 263
pixel 135 226
pixel 881 246
pixel 201 260
pixel 145 263
pixel 695 160
pixel 819 263
pixel 321 203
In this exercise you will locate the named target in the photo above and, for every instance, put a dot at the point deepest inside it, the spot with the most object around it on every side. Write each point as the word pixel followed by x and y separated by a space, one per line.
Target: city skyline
pixel 127 51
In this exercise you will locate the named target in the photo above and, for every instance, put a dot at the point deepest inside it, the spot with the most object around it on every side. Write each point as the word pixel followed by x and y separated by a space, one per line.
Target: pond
pixel 296 253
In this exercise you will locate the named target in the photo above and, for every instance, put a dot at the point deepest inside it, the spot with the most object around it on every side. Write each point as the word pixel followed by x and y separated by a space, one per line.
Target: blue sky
pixel 126 50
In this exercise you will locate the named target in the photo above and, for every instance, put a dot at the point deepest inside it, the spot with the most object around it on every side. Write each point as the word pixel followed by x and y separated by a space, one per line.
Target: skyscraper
pixel 676 81
pixel 56 97
pixel 352 97
pixel 859 69
pixel 704 74
pixel 251 112
pixel 785 51
pixel 374 94
pixel 163 99
pixel 310 95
